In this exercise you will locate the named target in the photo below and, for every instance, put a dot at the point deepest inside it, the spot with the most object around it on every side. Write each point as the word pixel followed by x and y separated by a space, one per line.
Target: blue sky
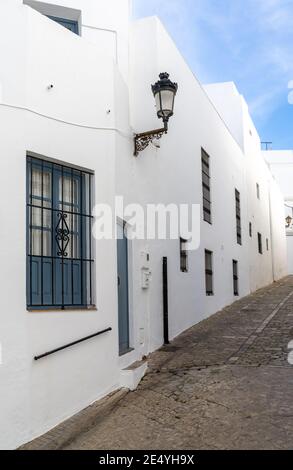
pixel 249 42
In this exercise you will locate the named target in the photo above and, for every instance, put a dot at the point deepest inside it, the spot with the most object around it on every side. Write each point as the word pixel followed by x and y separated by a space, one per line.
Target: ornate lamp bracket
pixel 164 92
pixel 142 141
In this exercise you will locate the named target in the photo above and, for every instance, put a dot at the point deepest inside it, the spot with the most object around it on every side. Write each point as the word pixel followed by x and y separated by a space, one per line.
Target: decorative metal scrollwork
pixel 62 235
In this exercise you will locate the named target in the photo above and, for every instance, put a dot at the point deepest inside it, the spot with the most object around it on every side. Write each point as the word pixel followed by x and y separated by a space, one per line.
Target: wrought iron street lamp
pixel 164 92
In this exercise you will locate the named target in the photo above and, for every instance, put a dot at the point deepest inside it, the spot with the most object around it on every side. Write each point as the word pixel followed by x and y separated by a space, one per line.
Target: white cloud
pixel 247 41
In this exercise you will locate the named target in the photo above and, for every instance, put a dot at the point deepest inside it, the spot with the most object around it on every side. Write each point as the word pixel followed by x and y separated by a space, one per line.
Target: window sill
pixel 60 310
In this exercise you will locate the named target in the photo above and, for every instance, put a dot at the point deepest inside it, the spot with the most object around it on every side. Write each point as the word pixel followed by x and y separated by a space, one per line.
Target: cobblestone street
pixel 224 384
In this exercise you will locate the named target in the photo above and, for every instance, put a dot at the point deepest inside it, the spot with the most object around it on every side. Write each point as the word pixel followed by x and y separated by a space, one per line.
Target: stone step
pixel 133 374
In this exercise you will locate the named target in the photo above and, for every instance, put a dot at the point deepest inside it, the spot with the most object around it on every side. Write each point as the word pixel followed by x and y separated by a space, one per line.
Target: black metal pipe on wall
pixel 165 301
pixel 54 351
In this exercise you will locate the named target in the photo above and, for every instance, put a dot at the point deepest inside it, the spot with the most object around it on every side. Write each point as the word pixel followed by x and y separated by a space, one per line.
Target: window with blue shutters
pixel 59 241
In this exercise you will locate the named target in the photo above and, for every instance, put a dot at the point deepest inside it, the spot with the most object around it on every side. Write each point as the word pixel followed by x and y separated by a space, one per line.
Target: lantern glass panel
pixel 158 104
pixel 165 103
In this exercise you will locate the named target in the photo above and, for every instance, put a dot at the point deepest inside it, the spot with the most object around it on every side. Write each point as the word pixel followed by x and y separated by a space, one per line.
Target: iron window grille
pixel 235 278
pixel 206 187
pixel 259 238
pixel 59 241
pixel 209 273
pixel 238 217
pixel 183 256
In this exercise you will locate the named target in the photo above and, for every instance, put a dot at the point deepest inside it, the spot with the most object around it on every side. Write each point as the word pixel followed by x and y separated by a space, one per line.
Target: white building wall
pixel 228 102
pixel 173 174
pixel 280 163
pixel 104 23
pixel 36 396
pixel 263 212
pixel 290 252
pixel 279 247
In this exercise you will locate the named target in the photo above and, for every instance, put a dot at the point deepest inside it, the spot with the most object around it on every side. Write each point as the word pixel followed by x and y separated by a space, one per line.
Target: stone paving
pixel 224 384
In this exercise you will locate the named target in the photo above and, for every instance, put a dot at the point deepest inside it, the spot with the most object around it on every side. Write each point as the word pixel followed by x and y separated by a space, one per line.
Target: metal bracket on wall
pixel 141 141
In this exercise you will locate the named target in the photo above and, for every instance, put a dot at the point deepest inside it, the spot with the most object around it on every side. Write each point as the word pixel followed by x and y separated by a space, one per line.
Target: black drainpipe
pixel 165 301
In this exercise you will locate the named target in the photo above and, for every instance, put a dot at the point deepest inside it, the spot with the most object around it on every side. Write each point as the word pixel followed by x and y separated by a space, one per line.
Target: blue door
pixel 123 286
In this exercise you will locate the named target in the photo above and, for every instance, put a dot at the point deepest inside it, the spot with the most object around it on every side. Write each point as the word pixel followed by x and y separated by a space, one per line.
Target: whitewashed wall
pixel 36 396
pixel 264 213
pixel 280 163
pixel 173 174
pixel 104 23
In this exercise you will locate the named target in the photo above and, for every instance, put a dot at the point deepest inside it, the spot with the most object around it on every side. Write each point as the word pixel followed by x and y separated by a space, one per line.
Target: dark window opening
pixel 209 273
pixel 183 256
pixel 257 191
pixel 59 243
pixel 259 238
pixel 250 229
pixel 235 278
pixel 267 243
pixel 206 187
pixel 238 217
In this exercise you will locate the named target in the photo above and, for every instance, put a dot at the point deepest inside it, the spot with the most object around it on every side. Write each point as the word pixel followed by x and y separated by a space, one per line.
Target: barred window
pixel 235 278
pixel 209 273
pixel 238 217
pixel 59 242
pixel 206 187
pixel 183 256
